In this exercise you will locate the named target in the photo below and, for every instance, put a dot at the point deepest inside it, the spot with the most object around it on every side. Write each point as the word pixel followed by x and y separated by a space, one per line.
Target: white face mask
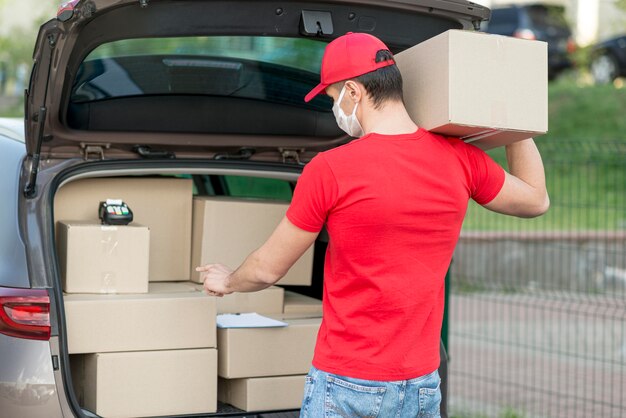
pixel 348 123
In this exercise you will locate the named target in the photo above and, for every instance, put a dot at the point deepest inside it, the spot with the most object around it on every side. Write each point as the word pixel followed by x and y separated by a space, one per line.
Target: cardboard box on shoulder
pixel 262 393
pixel 226 230
pixel 259 352
pixel 148 383
pixel 98 258
pixel 161 204
pixel 489 90
pixel 142 322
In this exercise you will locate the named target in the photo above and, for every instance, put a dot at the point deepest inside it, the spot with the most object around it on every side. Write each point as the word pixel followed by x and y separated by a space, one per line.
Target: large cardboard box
pixel 266 301
pixel 257 352
pixel 151 321
pixel 489 90
pixel 149 383
pixel 262 393
pixel 226 230
pixel 295 303
pixel 103 259
pixel 161 204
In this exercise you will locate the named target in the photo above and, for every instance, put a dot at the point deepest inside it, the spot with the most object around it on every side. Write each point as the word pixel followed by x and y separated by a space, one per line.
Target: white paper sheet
pixel 247 320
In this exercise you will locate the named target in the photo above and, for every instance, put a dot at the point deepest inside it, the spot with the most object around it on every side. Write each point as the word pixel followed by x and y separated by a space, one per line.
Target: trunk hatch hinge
pixel 291 155
pixel 94 148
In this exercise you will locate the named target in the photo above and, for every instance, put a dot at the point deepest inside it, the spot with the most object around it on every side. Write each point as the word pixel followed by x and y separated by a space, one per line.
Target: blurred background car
pixel 537 22
pixel 608 60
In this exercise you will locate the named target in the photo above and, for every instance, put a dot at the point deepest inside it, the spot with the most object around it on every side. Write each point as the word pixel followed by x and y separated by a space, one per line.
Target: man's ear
pixel 354 91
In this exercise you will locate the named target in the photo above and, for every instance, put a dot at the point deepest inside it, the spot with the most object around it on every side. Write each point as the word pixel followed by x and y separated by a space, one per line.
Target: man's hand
pixel 215 278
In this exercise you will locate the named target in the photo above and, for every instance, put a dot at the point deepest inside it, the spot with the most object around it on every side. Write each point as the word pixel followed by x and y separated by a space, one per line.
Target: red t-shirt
pixel 393 206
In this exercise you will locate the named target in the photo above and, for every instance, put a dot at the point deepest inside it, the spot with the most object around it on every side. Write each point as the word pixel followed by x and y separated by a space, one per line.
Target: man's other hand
pixel 215 279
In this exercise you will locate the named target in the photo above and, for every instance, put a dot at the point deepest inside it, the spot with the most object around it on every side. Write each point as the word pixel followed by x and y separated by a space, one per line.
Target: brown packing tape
pixel 109 244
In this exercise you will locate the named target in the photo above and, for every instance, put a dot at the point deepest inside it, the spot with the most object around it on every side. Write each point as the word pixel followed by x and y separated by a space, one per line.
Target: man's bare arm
pixel 524 192
pixel 263 267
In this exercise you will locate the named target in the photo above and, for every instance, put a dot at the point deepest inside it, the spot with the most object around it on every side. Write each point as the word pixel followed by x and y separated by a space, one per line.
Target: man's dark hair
pixel 385 83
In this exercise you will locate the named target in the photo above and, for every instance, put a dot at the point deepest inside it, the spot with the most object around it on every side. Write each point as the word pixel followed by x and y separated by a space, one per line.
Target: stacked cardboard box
pixel 226 230
pixel 295 303
pixel 147 383
pixel 255 362
pixel 135 350
pixel 262 393
pixel 102 258
pixel 266 301
pixel 161 204
pixel 136 355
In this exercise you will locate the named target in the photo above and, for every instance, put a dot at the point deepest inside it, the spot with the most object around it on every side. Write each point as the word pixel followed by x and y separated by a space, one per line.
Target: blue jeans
pixel 327 395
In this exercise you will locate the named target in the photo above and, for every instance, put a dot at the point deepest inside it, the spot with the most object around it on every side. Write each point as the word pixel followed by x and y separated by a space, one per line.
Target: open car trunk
pixel 143 341
pixel 126 102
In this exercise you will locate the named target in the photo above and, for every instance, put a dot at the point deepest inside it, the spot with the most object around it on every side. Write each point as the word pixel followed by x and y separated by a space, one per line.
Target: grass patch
pixel 584 154
pixel 579 111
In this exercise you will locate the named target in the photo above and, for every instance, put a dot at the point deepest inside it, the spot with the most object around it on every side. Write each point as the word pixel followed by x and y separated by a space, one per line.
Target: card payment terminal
pixel 115 212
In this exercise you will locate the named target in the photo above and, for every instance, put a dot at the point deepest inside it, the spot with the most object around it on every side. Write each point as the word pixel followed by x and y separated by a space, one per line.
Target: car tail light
pixel 25 313
pixel 571 46
pixel 66 10
pixel 525 34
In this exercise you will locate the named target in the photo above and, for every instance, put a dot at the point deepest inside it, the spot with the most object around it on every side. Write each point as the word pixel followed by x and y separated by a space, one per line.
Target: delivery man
pixel 393 202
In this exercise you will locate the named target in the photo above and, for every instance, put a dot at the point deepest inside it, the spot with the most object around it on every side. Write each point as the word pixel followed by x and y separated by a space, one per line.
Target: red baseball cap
pixel 349 56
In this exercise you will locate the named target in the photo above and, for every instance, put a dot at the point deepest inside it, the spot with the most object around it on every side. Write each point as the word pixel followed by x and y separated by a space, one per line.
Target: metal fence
pixel 538 307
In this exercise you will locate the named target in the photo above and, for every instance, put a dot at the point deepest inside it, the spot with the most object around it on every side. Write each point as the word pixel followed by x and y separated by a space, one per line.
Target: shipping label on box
pixel 161 204
pixel 262 393
pixel 96 258
pixel 227 230
pixel 151 321
pixel 256 352
pixel 149 383
pixel 489 90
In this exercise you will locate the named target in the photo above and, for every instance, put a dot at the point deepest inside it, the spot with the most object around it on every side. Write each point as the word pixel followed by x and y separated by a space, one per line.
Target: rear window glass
pixel 256 67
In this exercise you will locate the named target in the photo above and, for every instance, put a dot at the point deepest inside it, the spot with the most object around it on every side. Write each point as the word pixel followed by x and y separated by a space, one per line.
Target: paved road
pixel 549 355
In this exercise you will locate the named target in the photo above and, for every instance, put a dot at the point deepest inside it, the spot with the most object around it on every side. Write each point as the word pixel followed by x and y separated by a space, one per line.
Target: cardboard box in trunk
pixel 262 393
pixel 161 204
pixel 295 303
pixel 173 287
pixel 226 230
pixel 257 352
pixel 149 383
pixel 266 301
pixel 151 321
pixel 98 258
pixel 489 90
